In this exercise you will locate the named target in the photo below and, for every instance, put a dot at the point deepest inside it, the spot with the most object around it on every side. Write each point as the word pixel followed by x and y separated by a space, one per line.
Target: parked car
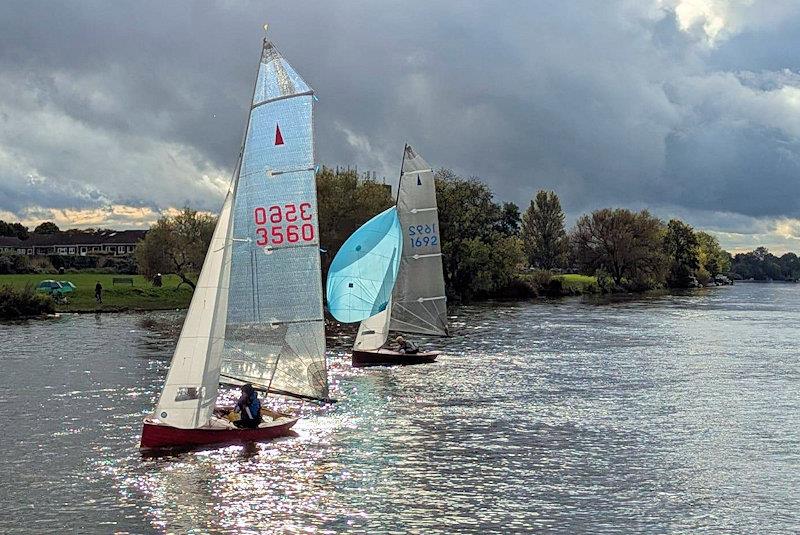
pixel 67 287
pixel 50 287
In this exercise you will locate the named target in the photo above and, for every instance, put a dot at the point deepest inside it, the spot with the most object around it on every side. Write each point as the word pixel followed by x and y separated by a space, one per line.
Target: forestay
pixel 187 400
pixel 363 273
pixel 275 334
pixel 419 304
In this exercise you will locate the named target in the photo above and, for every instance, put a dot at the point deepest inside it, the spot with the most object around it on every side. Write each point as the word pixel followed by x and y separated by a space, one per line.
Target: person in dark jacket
pixel 249 407
pixel 98 292
pixel 406 346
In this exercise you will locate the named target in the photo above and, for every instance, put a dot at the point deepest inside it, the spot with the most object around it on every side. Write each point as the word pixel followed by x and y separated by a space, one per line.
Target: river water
pixel 659 414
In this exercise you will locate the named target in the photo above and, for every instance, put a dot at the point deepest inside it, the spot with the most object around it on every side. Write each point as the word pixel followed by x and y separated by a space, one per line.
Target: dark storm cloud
pixel 635 104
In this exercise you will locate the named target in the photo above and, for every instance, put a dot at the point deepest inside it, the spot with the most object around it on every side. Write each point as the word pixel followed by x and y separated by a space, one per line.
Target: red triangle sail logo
pixel 278 136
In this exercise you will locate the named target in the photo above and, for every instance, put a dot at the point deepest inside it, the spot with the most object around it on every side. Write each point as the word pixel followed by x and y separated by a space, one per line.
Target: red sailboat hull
pixel 160 436
pixel 385 357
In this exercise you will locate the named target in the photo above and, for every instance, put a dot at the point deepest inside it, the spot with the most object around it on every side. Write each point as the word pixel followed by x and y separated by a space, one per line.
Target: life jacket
pixel 253 407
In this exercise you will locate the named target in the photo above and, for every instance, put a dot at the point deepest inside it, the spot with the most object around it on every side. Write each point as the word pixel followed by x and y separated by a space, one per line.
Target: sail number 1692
pixel 283 223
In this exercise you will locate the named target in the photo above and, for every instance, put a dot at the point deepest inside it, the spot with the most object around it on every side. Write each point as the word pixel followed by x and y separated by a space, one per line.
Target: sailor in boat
pixel 406 346
pixel 249 407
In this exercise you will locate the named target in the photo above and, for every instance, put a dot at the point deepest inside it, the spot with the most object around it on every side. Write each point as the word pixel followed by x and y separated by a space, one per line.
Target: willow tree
pixel 176 245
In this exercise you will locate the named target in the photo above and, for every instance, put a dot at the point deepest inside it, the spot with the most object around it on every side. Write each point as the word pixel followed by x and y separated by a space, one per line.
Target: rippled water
pixel 664 414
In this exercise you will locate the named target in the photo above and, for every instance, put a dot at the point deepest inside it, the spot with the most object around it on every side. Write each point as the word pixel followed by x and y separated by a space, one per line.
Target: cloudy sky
pixel 114 112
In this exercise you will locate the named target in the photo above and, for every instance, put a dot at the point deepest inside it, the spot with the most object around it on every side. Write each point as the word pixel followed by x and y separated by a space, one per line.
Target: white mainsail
pixel 275 334
pixel 187 400
pixel 256 312
pixel 419 304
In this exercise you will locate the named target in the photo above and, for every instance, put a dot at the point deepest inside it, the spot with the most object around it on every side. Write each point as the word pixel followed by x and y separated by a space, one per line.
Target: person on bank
pixel 406 346
pixel 249 407
pixel 98 292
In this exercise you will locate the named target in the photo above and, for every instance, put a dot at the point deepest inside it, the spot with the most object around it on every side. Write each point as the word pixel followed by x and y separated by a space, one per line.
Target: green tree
pixel 712 257
pixel 176 245
pixel 346 202
pixel 48 227
pixel 479 255
pixel 510 219
pixel 624 244
pixel 543 234
pixel 17 230
pixel 681 246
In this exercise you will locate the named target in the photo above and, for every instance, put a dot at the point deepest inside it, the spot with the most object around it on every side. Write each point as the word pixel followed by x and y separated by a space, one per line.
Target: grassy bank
pixel 141 296
pixel 574 284
pixel 546 284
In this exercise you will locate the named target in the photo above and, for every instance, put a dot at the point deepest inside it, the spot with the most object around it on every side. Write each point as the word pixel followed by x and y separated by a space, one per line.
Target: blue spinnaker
pixel 362 276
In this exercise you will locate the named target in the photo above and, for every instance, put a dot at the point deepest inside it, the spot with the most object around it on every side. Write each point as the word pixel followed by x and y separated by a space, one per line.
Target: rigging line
pixel 261 388
pixel 310 92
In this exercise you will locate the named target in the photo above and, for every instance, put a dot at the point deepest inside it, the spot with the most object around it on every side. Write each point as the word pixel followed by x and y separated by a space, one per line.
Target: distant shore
pixel 119 297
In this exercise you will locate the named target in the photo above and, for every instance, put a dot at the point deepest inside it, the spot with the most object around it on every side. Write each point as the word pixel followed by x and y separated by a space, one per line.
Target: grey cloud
pixel 612 106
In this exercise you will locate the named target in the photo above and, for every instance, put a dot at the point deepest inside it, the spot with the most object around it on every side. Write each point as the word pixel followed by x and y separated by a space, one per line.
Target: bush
pixel 14 264
pixel 24 303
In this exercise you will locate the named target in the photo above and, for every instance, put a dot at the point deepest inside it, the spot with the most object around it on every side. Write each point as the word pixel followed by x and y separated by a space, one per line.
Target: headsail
pixel 363 273
pixel 275 333
pixel 374 331
pixel 187 400
pixel 419 304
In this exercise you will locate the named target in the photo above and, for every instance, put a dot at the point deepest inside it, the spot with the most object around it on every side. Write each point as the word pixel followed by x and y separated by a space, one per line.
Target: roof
pixel 124 237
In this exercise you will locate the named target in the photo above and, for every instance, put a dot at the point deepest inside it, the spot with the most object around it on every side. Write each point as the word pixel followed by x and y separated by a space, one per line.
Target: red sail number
pixel 270 221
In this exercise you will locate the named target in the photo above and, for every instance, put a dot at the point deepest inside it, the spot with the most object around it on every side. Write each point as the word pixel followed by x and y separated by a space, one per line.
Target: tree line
pixel 487 246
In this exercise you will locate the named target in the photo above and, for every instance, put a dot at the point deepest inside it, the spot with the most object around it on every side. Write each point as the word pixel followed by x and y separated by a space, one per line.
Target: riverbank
pixel 141 295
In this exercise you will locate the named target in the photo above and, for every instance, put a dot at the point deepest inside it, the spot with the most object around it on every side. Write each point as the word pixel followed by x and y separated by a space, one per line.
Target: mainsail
pixel 187 400
pixel 275 332
pixel 363 273
pixel 419 304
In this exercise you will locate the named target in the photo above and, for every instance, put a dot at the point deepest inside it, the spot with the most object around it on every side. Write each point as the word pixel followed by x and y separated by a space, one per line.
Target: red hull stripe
pixel 156 436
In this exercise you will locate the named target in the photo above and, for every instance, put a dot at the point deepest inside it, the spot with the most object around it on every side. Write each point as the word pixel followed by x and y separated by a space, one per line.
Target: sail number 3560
pixel 279 224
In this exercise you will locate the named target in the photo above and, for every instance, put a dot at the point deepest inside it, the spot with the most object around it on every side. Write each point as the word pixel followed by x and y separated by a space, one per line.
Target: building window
pixel 71 250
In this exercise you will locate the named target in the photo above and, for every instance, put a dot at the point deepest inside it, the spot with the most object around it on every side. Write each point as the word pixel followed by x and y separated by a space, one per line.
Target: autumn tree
pixel 713 259
pixel 626 245
pixel 543 233
pixel 176 245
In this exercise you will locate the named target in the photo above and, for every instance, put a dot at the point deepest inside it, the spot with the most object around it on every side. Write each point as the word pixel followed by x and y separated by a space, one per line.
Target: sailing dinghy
pixel 416 302
pixel 256 314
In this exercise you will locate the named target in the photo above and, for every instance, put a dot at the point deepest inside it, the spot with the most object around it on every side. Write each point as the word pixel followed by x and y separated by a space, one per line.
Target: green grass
pixel 141 296
pixel 574 284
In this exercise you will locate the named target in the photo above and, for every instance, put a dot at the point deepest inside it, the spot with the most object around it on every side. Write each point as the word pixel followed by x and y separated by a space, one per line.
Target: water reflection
pixel 665 414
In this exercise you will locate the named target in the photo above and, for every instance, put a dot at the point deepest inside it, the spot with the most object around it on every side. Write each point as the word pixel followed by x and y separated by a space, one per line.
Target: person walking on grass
pixel 98 292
